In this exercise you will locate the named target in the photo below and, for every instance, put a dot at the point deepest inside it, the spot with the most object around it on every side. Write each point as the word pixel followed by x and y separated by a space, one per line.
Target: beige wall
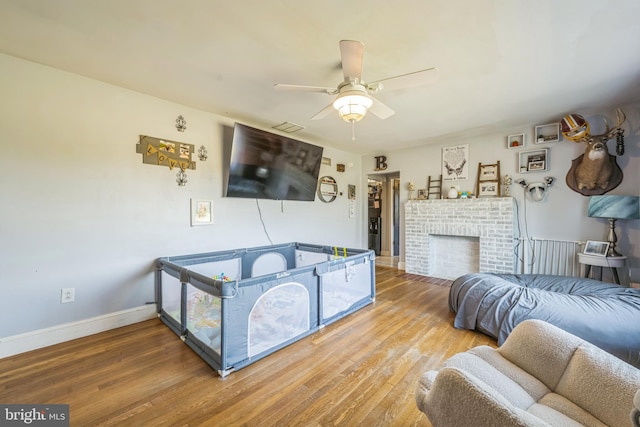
pixel 80 209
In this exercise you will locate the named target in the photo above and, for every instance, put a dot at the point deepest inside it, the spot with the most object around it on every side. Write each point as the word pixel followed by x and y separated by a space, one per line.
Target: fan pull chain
pixel 353 130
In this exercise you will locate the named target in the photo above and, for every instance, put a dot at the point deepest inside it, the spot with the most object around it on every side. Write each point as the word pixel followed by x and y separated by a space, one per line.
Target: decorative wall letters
pixel 163 152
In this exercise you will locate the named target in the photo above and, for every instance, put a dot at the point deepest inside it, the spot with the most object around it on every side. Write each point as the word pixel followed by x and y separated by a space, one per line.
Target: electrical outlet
pixel 67 295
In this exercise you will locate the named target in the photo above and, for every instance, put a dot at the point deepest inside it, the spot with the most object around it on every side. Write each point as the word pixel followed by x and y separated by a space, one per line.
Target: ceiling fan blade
pixel 299 88
pixel 352 54
pixel 417 78
pixel 324 112
pixel 381 110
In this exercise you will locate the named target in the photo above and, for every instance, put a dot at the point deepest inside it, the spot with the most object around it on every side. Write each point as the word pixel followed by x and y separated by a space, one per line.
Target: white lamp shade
pixel 352 105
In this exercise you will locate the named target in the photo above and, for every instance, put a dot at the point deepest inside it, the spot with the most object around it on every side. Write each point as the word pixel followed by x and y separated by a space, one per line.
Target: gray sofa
pixel 540 376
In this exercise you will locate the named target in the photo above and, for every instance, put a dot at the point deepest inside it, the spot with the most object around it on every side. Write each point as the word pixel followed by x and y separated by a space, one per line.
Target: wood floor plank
pixel 359 370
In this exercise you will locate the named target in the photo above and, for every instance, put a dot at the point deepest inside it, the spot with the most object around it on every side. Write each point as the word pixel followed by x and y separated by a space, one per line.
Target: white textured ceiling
pixel 502 63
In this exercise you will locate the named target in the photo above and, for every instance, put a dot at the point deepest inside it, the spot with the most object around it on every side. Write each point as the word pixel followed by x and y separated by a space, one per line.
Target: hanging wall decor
pixel 595 172
pixel 181 124
pixel 202 153
pixel 327 189
pixel 181 178
pixel 163 152
pixel 454 162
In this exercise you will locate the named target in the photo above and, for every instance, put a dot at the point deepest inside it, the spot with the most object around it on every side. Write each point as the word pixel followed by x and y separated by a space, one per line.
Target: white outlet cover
pixel 67 295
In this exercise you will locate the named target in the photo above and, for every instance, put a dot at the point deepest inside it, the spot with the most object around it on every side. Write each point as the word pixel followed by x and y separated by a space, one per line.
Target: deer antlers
pixel 610 133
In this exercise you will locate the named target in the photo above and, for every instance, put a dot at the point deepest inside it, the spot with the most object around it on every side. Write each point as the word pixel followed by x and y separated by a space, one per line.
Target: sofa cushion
pixel 560 411
pixel 492 378
pixel 457 399
pixel 552 347
pixel 592 374
pixel 533 386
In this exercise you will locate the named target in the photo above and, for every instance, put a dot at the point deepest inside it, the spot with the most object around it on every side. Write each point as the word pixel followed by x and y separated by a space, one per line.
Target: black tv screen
pixel 269 166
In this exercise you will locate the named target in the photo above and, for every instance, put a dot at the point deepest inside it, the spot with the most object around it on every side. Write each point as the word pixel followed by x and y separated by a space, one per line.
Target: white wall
pixel 80 209
pixel 563 213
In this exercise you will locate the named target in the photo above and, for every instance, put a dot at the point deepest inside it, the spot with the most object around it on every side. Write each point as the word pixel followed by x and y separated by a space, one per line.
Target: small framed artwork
pixel 488 172
pixel 352 192
pixel 537 165
pixel 488 189
pixel 515 141
pixel 422 194
pixel 201 212
pixel 596 248
pixel 534 160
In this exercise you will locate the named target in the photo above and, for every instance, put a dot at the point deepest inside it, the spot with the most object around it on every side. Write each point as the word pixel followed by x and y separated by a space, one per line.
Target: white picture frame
pixel 547 133
pixel 201 212
pixel 455 163
pixel 488 189
pixel 596 248
pixel 516 141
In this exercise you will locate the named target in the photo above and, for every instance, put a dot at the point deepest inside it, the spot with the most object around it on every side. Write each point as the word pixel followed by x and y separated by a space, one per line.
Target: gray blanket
pixel 604 314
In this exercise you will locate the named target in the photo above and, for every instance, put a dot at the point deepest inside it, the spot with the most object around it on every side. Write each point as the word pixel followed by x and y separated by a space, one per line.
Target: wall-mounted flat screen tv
pixel 268 166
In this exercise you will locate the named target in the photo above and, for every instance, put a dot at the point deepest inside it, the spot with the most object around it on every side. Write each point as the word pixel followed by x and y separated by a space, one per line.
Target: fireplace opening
pixel 452 256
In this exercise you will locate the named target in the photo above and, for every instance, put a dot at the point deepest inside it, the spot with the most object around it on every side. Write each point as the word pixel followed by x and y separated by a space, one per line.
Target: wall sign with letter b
pixel 381 163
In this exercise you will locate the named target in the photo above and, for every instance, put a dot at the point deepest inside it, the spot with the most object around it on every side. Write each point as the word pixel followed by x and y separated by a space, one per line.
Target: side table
pixel 613 262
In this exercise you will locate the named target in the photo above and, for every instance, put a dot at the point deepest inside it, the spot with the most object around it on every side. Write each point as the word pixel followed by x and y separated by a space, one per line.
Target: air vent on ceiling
pixel 288 127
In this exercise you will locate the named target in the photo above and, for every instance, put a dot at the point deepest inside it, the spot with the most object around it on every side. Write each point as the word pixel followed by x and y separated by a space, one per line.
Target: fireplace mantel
pixel 489 219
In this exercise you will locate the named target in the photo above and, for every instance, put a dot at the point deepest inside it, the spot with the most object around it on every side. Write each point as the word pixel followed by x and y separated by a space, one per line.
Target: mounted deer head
pixel 595 171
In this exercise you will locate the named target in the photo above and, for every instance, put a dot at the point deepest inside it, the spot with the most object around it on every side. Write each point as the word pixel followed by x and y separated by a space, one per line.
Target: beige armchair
pixel 540 376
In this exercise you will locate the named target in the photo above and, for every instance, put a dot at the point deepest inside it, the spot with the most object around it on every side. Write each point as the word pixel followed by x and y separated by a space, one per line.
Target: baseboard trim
pixel 401 265
pixel 16 344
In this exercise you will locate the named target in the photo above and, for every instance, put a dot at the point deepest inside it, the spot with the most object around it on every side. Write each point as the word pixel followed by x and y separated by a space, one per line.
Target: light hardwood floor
pixel 359 371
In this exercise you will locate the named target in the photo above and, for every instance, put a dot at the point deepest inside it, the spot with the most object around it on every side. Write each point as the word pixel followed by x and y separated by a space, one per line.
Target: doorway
pixel 383 225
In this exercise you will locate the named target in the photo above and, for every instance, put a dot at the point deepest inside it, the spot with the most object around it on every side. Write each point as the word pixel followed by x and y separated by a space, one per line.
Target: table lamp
pixel 614 208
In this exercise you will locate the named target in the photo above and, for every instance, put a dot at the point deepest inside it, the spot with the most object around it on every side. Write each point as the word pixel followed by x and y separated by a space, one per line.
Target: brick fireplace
pixel 487 225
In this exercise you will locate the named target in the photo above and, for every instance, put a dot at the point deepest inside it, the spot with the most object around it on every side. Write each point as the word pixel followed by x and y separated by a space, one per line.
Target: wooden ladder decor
pixel 434 187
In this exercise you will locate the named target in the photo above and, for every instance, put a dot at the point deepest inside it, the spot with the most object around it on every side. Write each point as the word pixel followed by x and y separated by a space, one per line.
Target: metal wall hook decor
pixel 181 178
pixel 202 153
pixel 181 124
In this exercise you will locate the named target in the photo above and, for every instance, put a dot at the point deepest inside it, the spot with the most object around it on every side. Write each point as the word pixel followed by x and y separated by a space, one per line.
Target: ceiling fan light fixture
pixel 352 107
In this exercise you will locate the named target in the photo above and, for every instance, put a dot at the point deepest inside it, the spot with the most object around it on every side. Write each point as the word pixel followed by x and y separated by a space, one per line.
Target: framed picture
pixel 489 172
pixel 201 212
pixel 455 161
pixel 534 161
pixel 352 192
pixel 422 194
pixel 488 189
pixel 537 165
pixel 596 248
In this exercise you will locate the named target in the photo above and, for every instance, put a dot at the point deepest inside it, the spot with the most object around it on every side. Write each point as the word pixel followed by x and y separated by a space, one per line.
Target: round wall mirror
pixel 327 189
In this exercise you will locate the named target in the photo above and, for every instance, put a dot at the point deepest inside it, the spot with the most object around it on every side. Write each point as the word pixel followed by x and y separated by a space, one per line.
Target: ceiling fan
pixel 354 94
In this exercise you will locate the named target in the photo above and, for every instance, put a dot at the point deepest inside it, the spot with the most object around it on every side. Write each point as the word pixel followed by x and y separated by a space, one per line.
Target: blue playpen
pixel 236 307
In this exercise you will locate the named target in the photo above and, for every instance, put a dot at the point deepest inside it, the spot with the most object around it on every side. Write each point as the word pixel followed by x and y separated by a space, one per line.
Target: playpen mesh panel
pixel 204 314
pixel 268 263
pixel 280 314
pixel 171 294
pixel 305 258
pixel 343 288
pixel 230 268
